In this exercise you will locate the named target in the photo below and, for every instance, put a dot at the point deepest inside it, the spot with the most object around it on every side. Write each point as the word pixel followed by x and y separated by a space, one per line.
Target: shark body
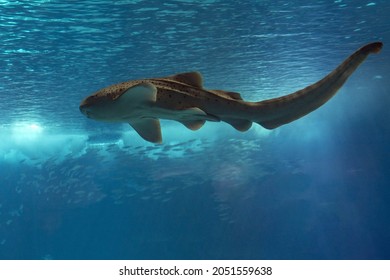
pixel 182 98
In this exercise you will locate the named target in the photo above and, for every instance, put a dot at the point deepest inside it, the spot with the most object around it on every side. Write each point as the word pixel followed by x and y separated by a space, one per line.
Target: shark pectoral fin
pixel 191 114
pixel 240 125
pixel 193 125
pixel 148 128
pixel 140 93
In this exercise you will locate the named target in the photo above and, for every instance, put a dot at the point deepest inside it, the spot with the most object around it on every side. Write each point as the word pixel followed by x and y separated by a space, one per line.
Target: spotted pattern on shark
pixel 182 97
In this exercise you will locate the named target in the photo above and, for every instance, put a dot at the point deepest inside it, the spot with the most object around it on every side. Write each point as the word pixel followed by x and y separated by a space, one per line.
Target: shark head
pixel 96 106
pixel 118 103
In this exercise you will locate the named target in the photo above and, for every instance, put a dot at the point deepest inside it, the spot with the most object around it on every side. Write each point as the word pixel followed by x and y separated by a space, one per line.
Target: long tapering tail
pixel 278 111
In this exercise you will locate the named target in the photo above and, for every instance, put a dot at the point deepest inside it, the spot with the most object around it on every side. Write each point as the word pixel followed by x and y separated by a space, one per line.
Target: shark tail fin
pixel 278 111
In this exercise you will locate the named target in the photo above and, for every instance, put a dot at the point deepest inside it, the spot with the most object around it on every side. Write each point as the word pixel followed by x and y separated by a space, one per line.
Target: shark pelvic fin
pixel 190 78
pixel 148 128
pixel 227 94
pixel 196 114
pixel 194 125
pixel 240 125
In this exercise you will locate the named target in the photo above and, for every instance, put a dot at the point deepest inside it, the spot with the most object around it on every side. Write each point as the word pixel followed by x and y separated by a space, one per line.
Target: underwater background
pixel 73 188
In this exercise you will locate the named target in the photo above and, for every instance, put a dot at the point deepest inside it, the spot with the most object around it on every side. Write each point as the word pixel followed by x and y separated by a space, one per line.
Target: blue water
pixel 73 188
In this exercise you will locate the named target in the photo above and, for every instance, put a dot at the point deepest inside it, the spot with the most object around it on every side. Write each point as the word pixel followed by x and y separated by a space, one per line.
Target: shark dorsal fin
pixel 190 78
pixel 227 94
pixel 148 128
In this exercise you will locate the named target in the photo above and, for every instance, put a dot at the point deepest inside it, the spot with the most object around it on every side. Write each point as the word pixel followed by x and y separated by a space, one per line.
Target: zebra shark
pixel 182 98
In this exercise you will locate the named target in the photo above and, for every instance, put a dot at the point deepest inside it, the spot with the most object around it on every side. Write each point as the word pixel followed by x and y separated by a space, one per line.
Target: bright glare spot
pixel 30 142
pixel 35 128
pixel 26 131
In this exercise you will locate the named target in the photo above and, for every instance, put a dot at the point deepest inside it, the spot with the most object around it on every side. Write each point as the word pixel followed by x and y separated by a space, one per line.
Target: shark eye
pixel 91 98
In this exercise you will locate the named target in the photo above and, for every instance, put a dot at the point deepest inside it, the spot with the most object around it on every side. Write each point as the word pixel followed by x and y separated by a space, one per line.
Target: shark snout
pixel 84 109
